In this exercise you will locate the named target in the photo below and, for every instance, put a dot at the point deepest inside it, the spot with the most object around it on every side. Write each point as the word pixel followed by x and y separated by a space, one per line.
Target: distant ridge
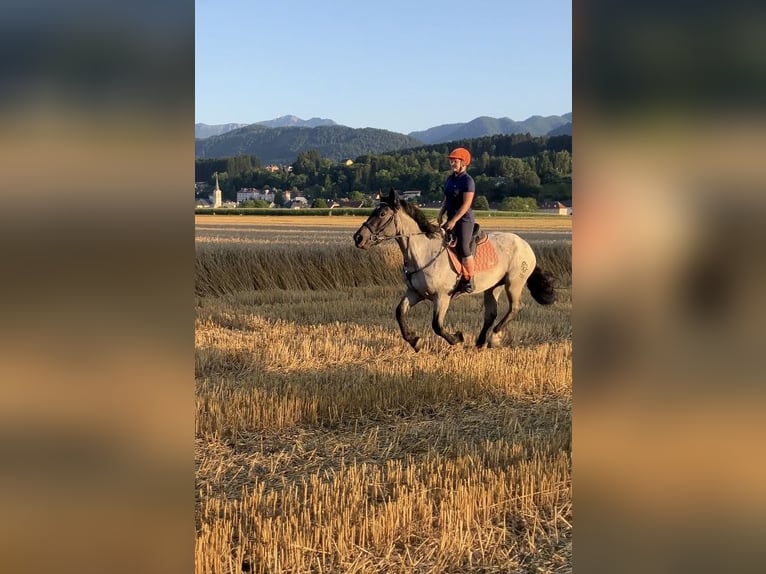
pixel 564 130
pixel 489 126
pixel 282 139
pixel 202 131
pixel 295 122
pixel 283 144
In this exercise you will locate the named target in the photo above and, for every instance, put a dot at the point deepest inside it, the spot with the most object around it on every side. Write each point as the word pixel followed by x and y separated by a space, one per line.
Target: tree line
pixel 503 166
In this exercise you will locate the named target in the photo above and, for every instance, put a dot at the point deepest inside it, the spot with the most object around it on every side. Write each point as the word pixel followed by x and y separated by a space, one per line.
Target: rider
pixel 458 197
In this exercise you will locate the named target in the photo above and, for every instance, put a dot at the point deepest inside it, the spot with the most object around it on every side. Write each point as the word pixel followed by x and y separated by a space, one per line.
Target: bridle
pixel 375 237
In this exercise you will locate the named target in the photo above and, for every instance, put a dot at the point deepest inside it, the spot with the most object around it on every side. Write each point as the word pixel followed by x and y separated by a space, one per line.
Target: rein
pixel 376 238
pixel 379 239
pixel 407 272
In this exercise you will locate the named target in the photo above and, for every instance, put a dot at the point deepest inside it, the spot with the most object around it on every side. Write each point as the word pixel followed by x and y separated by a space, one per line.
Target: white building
pixel 555 207
pixel 252 193
pixel 410 194
pixel 299 202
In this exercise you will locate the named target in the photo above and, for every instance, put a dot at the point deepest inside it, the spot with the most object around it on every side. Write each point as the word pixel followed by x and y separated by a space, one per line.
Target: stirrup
pixel 465 285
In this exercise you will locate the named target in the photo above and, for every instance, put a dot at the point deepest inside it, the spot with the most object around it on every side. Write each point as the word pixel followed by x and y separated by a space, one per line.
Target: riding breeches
pixel 463 230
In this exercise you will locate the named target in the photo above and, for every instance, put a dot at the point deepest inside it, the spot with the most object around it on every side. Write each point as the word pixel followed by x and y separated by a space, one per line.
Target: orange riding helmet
pixel 462 154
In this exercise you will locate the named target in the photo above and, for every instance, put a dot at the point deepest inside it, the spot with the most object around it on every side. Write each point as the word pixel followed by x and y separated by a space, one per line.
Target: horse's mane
pixel 431 229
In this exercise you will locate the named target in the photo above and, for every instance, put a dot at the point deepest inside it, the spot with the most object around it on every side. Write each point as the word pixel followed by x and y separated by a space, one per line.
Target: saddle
pixel 482 249
pixel 478 236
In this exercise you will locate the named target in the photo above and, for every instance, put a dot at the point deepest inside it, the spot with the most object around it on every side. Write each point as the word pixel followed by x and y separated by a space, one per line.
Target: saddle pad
pixel 485 257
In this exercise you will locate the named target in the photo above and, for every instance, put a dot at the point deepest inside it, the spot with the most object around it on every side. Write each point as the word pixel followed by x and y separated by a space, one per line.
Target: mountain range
pixel 487 126
pixel 282 145
pixel 202 131
pixel 281 140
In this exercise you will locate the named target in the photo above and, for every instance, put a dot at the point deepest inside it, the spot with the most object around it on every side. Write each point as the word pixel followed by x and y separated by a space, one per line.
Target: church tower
pixel 216 193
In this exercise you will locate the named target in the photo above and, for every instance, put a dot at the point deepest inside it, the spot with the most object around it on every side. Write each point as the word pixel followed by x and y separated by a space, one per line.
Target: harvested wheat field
pixel 324 443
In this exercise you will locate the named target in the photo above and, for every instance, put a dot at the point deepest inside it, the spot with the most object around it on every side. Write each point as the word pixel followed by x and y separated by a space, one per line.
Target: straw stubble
pixel 325 444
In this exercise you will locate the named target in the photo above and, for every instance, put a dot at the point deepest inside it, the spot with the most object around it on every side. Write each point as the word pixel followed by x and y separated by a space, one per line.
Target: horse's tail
pixel 541 287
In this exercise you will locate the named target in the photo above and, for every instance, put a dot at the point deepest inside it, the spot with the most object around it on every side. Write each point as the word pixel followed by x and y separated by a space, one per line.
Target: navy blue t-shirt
pixel 454 189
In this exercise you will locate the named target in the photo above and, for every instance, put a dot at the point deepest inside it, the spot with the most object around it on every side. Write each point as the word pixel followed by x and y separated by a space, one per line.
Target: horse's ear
pixel 392 198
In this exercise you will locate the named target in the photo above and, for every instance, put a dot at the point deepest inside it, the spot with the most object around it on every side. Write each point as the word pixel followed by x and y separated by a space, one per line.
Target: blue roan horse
pixel 429 275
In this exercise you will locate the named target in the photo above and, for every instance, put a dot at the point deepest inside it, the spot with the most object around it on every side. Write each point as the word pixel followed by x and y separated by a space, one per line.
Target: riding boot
pixel 466 281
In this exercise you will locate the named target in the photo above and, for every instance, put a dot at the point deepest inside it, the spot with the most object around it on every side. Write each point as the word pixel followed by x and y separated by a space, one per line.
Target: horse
pixel 429 274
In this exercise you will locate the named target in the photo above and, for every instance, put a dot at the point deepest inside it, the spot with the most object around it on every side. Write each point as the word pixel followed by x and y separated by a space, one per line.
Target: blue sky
pixel 395 65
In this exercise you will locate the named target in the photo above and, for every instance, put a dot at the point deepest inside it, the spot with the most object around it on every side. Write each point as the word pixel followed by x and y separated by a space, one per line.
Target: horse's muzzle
pixel 359 241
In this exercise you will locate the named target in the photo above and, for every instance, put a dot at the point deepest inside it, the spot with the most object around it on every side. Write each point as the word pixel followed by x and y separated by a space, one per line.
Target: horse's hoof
pixel 494 340
pixel 417 344
pixel 459 337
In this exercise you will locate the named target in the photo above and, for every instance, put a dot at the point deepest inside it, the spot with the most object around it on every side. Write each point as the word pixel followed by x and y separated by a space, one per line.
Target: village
pixel 293 199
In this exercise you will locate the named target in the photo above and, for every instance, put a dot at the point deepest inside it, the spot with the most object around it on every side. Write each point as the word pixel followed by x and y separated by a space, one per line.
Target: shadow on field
pixel 333 384
pixel 411 411
pixel 368 317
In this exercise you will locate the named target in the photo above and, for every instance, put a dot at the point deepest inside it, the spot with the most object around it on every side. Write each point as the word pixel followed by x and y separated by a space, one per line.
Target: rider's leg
pixel 468 271
pixel 465 230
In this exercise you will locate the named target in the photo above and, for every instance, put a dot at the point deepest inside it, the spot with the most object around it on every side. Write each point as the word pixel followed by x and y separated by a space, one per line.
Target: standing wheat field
pixel 324 443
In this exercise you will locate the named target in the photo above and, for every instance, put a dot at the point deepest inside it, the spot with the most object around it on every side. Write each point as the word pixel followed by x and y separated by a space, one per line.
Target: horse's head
pixel 380 225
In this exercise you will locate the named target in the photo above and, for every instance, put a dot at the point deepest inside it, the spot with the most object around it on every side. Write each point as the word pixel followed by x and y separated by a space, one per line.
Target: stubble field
pixel 324 443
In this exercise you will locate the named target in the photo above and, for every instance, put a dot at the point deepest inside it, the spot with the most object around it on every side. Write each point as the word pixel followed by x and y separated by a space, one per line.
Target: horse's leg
pixel 441 304
pixel 410 299
pixel 513 289
pixel 490 314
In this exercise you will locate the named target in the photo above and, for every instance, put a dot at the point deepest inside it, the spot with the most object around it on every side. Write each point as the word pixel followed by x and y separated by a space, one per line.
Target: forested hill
pixel 517 165
pixel 500 145
pixel 283 145
pixel 566 129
